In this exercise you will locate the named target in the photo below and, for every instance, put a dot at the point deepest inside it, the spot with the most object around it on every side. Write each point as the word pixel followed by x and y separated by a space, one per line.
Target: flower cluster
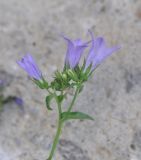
pixel 72 71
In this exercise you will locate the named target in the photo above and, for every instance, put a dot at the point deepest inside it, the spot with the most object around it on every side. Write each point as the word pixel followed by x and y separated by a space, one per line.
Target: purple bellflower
pixel 29 65
pixel 74 51
pixel 98 52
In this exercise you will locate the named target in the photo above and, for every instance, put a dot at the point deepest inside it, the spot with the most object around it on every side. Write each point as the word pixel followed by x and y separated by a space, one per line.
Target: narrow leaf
pixel 48 100
pixel 75 115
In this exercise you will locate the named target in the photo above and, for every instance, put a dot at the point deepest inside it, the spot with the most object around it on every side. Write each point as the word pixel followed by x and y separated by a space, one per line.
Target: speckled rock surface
pixel 112 96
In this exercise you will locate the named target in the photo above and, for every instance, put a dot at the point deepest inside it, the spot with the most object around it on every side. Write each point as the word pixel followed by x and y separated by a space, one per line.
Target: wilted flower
pixel 1 83
pixel 98 52
pixel 74 51
pixel 18 101
pixel 30 66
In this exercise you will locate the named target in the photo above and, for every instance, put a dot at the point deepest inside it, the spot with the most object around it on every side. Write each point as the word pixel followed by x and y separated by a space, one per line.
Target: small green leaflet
pixel 75 115
pixel 48 100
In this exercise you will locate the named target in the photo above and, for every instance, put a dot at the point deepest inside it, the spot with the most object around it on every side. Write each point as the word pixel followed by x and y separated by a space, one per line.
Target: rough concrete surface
pixel 112 96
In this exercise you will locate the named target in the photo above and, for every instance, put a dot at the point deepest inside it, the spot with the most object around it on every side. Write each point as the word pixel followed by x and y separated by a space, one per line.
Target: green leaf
pixel 48 101
pixel 75 115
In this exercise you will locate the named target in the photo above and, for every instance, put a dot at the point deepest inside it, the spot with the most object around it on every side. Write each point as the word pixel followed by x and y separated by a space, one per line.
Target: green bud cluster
pixel 69 78
pixel 63 81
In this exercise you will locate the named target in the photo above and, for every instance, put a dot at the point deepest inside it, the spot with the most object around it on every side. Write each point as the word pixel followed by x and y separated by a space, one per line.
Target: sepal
pixel 72 75
pixel 43 84
pixel 88 70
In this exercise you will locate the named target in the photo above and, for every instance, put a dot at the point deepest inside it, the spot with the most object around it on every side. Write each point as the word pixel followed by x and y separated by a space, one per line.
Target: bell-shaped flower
pixel 29 65
pixel 75 49
pixel 98 52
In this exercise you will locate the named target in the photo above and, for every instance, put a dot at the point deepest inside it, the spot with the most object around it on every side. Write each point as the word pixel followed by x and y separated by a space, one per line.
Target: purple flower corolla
pixel 29 65
pixel 75 49
pixel 98 52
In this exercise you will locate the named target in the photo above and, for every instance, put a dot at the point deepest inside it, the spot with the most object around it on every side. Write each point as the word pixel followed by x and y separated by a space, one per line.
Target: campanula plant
pixel 73 76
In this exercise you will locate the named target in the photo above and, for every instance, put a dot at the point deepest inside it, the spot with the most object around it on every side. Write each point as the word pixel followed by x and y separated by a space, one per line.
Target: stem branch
pixel 73 100
pixel 60 122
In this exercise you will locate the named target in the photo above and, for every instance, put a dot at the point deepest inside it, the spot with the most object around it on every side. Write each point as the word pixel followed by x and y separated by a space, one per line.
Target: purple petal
pixel 74 51
pixel 98 52
pixel 96 44
pixel 103 54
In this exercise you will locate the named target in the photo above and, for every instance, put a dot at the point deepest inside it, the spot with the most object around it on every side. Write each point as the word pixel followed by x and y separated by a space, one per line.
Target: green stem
pixel 60 122
pixel 59 128
pixel 73 100
pixel 55 140
pixel 59 106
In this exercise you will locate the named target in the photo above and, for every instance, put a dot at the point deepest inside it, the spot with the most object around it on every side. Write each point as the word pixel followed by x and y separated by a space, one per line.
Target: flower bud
pixel 72 75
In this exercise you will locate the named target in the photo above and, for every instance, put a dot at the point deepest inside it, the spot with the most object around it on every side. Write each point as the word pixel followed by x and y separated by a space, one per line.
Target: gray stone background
pixel 112 96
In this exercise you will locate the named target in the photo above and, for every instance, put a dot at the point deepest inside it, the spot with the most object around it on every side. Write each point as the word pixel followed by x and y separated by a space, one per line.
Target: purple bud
pixel 29 65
